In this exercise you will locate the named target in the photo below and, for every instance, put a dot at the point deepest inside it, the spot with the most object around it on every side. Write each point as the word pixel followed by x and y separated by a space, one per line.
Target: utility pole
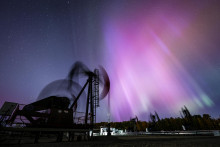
pixel 109 133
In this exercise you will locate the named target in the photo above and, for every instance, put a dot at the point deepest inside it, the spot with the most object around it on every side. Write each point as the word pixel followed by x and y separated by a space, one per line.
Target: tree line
pixel 185 122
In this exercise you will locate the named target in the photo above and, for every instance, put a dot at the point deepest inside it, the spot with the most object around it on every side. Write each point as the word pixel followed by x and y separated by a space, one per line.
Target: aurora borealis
pixel 160 55
pixel 145 45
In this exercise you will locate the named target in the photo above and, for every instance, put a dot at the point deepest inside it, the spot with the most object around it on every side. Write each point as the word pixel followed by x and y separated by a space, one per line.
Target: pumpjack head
pixel 106 83
pixel 81 69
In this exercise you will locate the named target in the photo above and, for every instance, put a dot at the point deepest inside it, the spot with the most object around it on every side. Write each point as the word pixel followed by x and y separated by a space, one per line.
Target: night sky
pixel 160 55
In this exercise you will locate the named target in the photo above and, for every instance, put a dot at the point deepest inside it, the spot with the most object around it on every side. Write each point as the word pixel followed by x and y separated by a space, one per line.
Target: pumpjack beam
pixel 74 103
pixel 87 104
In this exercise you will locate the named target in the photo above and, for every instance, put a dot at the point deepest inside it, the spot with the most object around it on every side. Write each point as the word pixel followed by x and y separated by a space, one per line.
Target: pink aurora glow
pixel 145 71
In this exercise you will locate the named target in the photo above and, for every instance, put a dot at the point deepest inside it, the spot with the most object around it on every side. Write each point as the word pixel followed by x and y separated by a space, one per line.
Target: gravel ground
pixel 134 141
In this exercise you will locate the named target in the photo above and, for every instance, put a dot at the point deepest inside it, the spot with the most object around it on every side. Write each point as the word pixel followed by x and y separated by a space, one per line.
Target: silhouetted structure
pixel 155 120
pixel 57 111
pixel 133 124
pixel 187 118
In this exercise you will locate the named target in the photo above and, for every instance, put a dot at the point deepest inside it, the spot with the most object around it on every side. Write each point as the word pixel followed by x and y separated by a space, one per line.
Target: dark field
pixel 146 141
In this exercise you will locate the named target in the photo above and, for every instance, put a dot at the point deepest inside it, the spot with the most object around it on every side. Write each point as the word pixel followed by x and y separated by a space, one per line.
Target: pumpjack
pixel 57 111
